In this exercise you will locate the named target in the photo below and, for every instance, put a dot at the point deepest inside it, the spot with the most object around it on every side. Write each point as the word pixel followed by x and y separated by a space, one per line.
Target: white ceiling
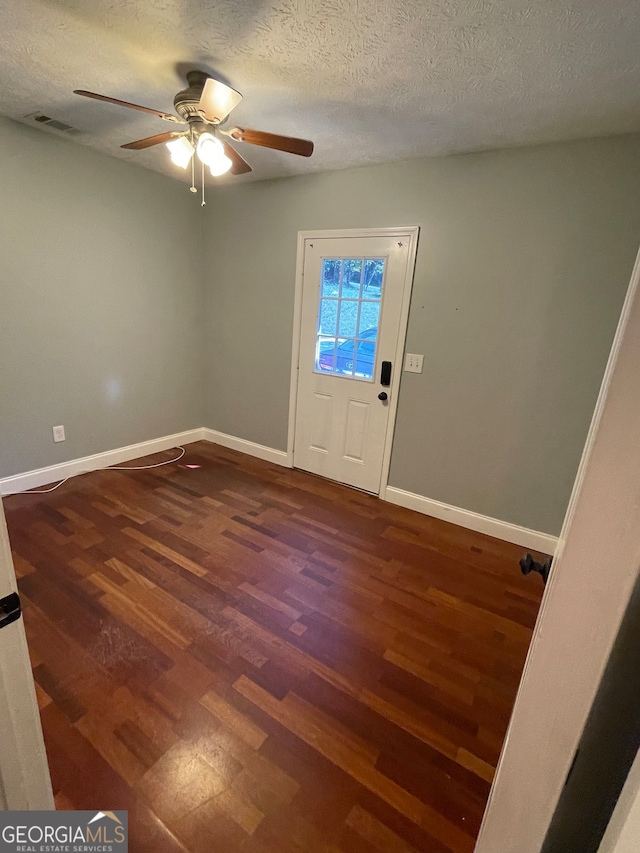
pixel 369 81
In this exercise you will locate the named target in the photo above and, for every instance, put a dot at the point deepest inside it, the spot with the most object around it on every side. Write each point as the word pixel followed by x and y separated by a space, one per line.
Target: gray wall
pixel 523 262
pixel 100 302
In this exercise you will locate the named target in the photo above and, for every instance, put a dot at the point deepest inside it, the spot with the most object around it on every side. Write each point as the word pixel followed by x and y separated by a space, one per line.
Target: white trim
pixel 24 774
pixel 260 451
pixel 295 348
pixel 532 539
pixel 53 473
pixel 411 232
pixel 25 783
pixel 337 233
pixel 407 287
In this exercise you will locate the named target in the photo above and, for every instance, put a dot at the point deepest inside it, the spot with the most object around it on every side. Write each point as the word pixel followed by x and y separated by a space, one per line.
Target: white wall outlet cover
pixel 58 433
pixel 413 362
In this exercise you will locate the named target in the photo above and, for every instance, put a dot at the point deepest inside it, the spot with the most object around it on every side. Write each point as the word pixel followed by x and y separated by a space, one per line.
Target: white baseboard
pixel 53 473
pixel 465 518
pixel 532 539
pixel 261 451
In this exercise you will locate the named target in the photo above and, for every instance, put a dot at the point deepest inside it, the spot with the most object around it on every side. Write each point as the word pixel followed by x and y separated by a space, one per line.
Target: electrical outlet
pixel 58 433
pixel 413 362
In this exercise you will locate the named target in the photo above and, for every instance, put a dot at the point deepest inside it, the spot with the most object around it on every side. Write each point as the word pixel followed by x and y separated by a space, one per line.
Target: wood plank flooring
pixel 253 659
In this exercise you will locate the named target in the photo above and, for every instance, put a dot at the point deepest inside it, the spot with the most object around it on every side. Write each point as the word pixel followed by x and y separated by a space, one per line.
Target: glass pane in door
pixel 348 316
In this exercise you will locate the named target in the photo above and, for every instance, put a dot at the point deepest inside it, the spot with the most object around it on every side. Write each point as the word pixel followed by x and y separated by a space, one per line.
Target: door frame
pixel 25 782
pixel 411 232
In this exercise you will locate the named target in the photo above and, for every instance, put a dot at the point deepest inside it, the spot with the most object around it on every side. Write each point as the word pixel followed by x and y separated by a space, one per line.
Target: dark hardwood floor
pixel 254 659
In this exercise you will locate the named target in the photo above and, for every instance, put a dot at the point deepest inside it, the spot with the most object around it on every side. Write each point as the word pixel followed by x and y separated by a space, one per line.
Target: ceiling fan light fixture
pixel 209 148
pixel 181 151
pixel 211 153
pixel 218 100
pixel 220 165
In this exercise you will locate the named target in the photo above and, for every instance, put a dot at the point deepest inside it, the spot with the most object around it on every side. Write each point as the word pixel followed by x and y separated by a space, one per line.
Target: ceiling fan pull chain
pixel 203 201
pixel 193 166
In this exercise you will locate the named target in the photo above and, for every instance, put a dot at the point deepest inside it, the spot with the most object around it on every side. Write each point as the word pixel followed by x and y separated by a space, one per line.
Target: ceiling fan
pixel 203 107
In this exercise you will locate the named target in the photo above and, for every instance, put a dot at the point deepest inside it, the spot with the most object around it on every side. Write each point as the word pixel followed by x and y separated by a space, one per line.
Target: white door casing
pixel 342 430
pixel 24 772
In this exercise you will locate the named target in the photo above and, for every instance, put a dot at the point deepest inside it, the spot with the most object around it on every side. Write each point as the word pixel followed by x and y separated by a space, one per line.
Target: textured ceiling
pixel 369 81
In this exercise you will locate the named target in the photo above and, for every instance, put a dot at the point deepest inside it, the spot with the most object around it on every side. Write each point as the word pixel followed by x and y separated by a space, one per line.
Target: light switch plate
pixel 58 433
pixel 413 362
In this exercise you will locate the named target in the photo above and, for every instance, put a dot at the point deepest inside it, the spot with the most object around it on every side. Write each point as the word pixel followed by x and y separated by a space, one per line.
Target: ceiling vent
pixel 53 123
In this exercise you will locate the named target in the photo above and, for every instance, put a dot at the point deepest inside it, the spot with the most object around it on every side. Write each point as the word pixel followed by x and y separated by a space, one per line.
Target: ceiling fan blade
pixel 108 100
pixel 240 165
pixel 217 100
pixel 303 147
pixel 148 141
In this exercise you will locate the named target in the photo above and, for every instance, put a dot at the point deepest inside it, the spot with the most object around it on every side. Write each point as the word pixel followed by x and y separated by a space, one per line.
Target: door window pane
pixel 344 358
pixel 369 316
pixel 331 274
pixel 349 316
pixel 373 276
pixel 351 278
pixel 348 322
pixel 325 354
pixel 328 317
pixel 365 361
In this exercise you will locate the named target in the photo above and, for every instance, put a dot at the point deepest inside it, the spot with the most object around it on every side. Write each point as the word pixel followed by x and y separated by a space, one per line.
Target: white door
pixel 24 774
pixel 355 297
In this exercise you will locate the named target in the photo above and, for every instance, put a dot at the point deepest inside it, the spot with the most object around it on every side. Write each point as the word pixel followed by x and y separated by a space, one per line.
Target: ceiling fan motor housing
pixel 186 102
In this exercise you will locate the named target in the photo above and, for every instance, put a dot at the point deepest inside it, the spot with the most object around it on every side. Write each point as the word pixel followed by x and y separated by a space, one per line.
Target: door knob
pixel 382 395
